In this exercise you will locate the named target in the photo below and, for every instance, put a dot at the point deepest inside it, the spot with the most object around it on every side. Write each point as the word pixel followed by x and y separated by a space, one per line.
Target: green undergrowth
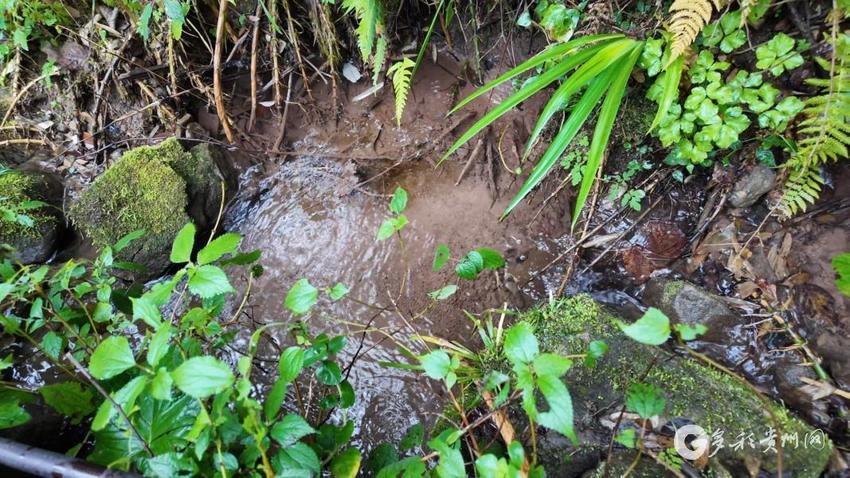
pixel 21 214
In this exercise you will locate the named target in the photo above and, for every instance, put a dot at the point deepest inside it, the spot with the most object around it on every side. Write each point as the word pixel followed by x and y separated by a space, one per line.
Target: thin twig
pixel 255 43
pixel 219 99
pixel 115 404
pixel 472 156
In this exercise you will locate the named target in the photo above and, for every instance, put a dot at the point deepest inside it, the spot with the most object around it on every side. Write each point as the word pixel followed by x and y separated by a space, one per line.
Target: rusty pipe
pixel 48 464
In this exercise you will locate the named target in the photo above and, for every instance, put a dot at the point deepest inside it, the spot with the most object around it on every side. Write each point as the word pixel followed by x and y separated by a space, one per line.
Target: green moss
pixel 15 188
pixel 708 397
pixel 671 290
pixel 140 191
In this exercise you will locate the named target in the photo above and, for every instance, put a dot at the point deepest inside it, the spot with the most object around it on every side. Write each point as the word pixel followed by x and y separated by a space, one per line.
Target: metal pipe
pixel 48 464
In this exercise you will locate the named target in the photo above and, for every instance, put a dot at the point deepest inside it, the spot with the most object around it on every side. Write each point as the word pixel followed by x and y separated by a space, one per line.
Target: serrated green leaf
pixel 651 329
pixel 181 249
pixel 301 297
pixel 200 377
pixel 111 357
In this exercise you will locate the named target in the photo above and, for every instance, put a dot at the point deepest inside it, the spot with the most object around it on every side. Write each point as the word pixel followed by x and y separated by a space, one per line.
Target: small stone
pixel 752 186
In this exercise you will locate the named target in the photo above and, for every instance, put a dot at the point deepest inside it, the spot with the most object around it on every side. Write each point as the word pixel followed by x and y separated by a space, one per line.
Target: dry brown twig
pixel 219 99
pixel 255 43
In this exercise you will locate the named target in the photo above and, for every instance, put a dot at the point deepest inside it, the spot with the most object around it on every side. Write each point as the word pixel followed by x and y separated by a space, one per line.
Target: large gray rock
pixel 689 304
pixel 693 393
pixel 752 186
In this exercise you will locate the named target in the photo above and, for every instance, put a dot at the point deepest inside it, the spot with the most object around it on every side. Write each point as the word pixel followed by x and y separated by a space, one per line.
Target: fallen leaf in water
pixel 664 239
pixel 636 262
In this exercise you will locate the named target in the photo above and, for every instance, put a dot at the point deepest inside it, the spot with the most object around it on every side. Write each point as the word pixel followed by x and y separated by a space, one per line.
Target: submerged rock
pixel 693 393
pixel 689 304
pixel 31 228
pixel 752 186
pixel 156 188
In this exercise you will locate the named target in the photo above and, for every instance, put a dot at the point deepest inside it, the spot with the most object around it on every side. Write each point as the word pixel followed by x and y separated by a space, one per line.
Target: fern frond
pixel 379 59
pixel 401 73
pixel 370 23
pixel 688 17
pixel 824 134
pixel 802 188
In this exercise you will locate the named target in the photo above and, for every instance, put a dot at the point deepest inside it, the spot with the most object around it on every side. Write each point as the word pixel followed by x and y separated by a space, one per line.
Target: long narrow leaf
pixel 535 61
pixel 602 60
pixel 578 116
pixel 523 94
pixel 670 92
pixel 607 115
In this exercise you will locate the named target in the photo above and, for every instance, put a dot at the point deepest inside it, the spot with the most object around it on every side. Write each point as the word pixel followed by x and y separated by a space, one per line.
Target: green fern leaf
pixel 824 132
pixel 379 59
pixel 370 18
pixel 401 73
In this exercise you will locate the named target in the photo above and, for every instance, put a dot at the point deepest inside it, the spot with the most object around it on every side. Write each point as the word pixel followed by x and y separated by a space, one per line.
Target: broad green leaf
pixel 208 281
pixel 291 363
pixel 443 293
pixel 451 460
pixel 223 244
pixel 52 344
pixel 595 351
pixel 399 201
pixel 644 399
pixel 201 377
pixel 159 345
pixel 492 258
pixel 298 460
pixel 290 429
pixel 441 256
pixel 651 329
pixel 111 357
pixel 125 397
pixel 181 249
pixel 470 266
pixel 69 398
pixel 551 364
pixel 436 364
pixel 147 311
pixel 346 464
pixel 12 414
pixel 301 297
pixel 161 384
pixel 329 373
pixel 627 438
pixel 338 291
pixel 690 332
pixel 391 226
pixel 520 343
pixel 841 264
pixel 274 399
pixel 604 125
pixel 560 414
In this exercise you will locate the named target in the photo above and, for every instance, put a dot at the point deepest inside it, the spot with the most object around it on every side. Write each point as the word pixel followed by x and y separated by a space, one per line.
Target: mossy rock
pixel 208 177
pixel 140 191
pixel 692 391
pixel 32 230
